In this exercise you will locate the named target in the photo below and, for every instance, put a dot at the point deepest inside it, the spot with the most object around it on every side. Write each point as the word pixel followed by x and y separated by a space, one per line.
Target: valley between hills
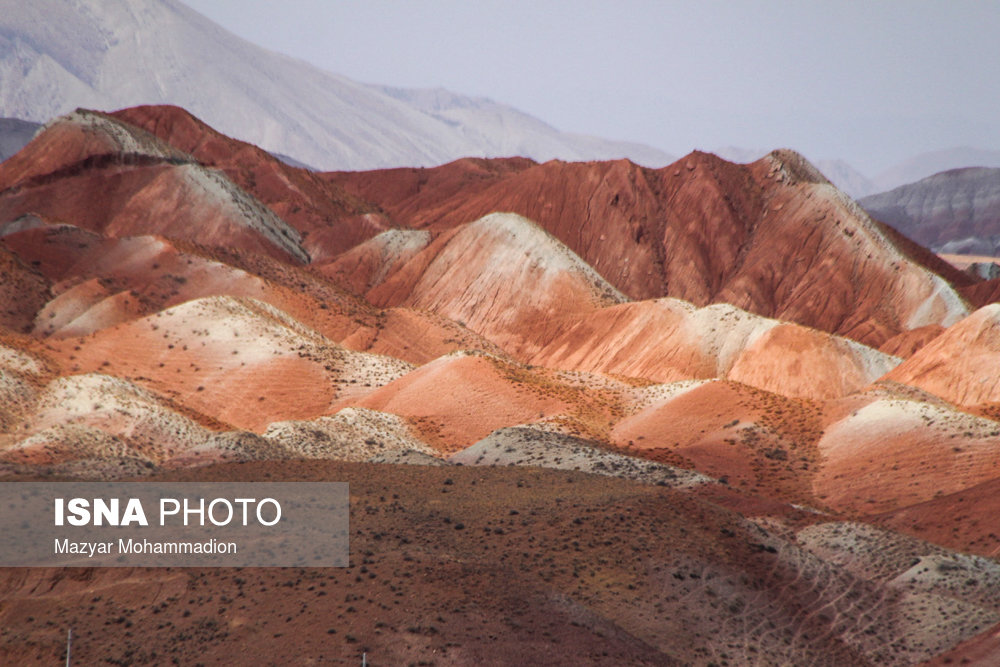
pixel 591 413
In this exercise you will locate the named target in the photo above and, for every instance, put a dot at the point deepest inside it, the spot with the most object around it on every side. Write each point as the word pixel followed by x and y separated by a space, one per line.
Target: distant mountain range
pixel 927 164
pixel 107 54
pixel 956 211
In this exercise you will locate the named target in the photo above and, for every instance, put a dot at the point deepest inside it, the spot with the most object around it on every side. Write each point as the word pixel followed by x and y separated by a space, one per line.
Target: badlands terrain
pixel 711 413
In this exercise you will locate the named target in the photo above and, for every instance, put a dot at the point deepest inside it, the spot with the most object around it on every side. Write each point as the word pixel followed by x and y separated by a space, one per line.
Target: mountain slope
pixel 329 220
pixel 108 54
pixel 93 171
pixel 772 237
pixel 882 453
pixel 504 130
pixel 504 277
pixel 261 364
pixel 666 340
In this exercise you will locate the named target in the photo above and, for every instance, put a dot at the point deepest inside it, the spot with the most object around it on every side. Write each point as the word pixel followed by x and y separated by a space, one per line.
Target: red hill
pixel 106 176
pixel 772 237
pixel 329 219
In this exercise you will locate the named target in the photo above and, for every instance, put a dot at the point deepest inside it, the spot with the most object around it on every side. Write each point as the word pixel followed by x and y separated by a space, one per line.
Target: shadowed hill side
pixel 983 293
pixel 496 565
pixel 146 274
pixel 23 292
pixel 927 258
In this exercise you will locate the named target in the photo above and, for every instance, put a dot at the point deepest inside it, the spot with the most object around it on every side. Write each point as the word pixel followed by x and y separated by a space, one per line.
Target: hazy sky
pixel 871 82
